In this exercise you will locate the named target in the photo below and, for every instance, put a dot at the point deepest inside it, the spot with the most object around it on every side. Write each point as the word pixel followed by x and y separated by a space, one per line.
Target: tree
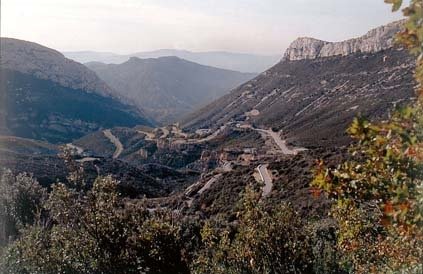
pixel 261 241
pixel 378 194
pixel 21 199
pixel 97 232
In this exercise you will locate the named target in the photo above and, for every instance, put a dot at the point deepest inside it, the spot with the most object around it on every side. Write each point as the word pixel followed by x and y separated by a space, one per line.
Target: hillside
pixel 48 64
pixel 45 96
pixel 44 110
pixel 313 94
pixel 167 87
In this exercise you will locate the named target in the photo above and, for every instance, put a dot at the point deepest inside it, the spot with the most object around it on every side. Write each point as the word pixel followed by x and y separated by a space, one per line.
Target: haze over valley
pixel 167 88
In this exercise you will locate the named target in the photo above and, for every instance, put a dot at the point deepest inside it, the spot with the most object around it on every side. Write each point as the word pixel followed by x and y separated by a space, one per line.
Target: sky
pixel 128 26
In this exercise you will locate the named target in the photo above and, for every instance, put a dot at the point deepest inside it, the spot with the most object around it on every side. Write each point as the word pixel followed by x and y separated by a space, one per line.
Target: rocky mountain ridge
pixel 313 100
pixel 375 40
pixel 48 64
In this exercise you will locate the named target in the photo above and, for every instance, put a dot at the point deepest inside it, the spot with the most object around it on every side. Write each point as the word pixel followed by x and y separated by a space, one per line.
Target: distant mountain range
pixel 167 87
pixel 45 96
pixel 225 60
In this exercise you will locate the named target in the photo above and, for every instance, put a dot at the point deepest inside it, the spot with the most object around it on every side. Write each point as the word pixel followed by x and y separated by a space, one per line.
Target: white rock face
pixel 375 40
pixel 48 64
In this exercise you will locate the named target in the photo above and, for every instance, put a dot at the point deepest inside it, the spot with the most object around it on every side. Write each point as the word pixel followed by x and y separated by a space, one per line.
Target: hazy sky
pixel 125 26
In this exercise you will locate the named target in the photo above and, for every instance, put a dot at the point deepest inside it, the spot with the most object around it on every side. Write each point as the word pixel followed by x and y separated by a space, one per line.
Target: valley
pixel 206 153
pixel 295 111
pixel 167 88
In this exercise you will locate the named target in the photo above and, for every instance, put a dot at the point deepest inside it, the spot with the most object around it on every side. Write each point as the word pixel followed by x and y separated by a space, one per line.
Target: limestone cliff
pixel 375 40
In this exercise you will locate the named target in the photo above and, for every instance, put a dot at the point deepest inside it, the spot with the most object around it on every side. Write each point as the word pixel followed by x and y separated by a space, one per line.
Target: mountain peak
pixel 375 40
pixel 304 48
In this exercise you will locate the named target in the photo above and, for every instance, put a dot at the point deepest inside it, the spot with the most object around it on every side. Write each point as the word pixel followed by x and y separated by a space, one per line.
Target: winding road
pixel 266 178
pixel 199 141
pixel 282 143
pixel 149 136
pixel 165 133
pixel 209 183
pixel 189 191
pixel 279 142
pixel 79 150
pixel 115 141
pixel 87 159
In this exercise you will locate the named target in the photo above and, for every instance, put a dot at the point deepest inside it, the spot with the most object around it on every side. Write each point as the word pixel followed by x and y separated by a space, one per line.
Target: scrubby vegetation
pixel 94 231
pixel 73 229
pixel 264 241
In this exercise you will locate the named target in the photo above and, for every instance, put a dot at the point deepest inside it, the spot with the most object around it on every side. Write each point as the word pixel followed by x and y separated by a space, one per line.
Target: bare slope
pixel 313 99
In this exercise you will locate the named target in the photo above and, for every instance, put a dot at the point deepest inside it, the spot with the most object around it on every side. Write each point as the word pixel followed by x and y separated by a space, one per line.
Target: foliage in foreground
pixel 379 193
pixel 21 199
pixel 262 241
pixel 96 232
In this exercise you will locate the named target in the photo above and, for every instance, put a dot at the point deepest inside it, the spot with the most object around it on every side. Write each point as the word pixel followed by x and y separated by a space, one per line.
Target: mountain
pixel 242 62
pixel 167 87
pixel 313 94
pixel 48 64
pixel 45 96
pixel 220 59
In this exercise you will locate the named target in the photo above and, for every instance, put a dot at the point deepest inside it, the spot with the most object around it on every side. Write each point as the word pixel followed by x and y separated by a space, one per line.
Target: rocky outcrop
pixel 375 40
pixel 48 64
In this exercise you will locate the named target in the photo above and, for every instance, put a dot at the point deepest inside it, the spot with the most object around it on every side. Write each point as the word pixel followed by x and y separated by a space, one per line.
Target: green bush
pixel 276 240
pixel 97 232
